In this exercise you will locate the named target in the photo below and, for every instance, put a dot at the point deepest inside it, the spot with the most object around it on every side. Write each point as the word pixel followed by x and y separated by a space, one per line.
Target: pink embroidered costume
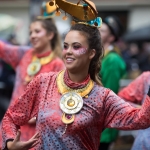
pixel 101 109
pixel 19 58
pixel 136 92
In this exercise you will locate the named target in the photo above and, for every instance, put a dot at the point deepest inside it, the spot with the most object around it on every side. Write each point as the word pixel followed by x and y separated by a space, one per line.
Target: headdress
pixel 85 13
pixel 47 11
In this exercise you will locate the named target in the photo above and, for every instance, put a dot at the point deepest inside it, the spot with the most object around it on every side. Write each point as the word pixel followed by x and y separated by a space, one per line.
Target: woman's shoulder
pixel 101 90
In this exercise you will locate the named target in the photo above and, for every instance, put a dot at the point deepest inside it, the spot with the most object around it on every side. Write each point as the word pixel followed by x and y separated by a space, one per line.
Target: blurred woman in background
pixel 28 63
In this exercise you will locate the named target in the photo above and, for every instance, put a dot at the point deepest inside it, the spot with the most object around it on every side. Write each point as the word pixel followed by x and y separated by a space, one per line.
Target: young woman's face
pixel 76 53
pixel 38 36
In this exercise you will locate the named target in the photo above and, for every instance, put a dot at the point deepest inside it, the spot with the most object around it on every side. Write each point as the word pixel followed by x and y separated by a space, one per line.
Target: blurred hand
pixel 16 144
pixel 32 121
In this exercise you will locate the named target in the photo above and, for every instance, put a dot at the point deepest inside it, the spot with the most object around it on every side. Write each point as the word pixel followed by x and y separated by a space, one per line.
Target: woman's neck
pixel 43 50
pixel 77 77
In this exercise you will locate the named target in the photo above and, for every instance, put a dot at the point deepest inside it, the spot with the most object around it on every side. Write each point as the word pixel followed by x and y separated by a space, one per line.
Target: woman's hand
pixel 16 144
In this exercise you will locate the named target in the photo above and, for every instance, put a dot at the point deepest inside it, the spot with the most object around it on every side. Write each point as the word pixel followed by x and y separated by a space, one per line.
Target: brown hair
pixel 49 25
pixel 94 40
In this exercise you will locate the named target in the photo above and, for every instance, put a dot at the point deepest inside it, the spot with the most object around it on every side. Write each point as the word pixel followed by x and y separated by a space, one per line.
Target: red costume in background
pixel 136 92
pixel 19 57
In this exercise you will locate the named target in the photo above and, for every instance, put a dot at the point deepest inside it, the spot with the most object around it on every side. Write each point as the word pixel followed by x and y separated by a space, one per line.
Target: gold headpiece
pixel 47 11
pixel 85 13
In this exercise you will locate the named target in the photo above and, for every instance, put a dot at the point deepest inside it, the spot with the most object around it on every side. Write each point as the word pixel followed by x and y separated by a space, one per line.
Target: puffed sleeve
pixel 137 89
pixel 12 54
pixel 21 110
pixel 121 115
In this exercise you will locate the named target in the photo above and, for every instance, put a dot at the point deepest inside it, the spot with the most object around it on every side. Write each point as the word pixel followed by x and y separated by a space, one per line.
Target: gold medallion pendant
pixel 36 64
pixel 71 103
pixel 33 68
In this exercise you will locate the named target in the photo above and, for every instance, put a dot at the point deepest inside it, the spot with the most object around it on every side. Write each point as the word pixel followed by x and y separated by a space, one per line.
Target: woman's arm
pixel 12 54
pixel 137 89
pixel 121 115
pixel 21 111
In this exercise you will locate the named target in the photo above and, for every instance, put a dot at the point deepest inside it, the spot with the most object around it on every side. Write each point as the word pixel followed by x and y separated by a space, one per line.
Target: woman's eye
pixel 65 47
pixel 76 47
pixel 37 31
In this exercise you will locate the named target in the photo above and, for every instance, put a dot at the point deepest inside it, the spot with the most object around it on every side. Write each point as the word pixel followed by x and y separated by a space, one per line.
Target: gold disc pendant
pixel 67 118
pixel 71 103
pixel 33 68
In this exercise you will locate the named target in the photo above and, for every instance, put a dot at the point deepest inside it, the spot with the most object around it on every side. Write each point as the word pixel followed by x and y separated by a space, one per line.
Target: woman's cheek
pixel 41 34
pixel 80 51
pixel 64 52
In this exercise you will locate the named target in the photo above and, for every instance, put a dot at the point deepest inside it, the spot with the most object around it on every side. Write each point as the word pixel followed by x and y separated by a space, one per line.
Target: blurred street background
pixel 15 18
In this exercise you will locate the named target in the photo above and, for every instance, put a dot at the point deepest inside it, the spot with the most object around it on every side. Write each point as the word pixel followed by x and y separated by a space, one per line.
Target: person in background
pixel 42 57
pixel 72 106
pixel 113 68
pixel 135 93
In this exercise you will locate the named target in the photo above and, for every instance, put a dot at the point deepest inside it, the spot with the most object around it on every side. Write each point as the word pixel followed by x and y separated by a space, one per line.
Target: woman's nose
pixel 69 50
pixel 32 35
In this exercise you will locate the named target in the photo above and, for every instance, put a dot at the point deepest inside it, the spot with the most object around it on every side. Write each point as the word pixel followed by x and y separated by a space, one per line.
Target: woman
pixel 72 107
pixel 135 92
pixel 28 63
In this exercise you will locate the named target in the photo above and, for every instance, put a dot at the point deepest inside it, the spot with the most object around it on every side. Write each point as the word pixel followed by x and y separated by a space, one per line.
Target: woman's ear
pixel 50 35
pixel 92 53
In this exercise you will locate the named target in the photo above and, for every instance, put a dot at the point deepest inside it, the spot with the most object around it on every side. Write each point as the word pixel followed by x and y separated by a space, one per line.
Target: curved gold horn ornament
pixel 78 10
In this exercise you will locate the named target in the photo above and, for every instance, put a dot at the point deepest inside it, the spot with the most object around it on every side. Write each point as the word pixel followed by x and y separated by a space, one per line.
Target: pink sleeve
pixel 21 110
pixel 137 89
pixel 12 54
pixel 121 115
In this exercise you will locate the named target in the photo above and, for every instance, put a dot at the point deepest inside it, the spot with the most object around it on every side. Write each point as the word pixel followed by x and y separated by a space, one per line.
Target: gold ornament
pixel 63 88
pixel 71 101
pixel 65 18
pixel 33 68
pixel 36 64
pixel 67 119
pixel 51 3
pixel 77 10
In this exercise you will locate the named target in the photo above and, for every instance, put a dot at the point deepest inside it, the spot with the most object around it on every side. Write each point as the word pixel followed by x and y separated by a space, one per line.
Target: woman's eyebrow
pixel 65 43
pixel 76 43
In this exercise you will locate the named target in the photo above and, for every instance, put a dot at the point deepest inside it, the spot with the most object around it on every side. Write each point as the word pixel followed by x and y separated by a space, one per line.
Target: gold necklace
pixel 71 101
pixel 44 60
pixel 36 64
pixel 63 88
